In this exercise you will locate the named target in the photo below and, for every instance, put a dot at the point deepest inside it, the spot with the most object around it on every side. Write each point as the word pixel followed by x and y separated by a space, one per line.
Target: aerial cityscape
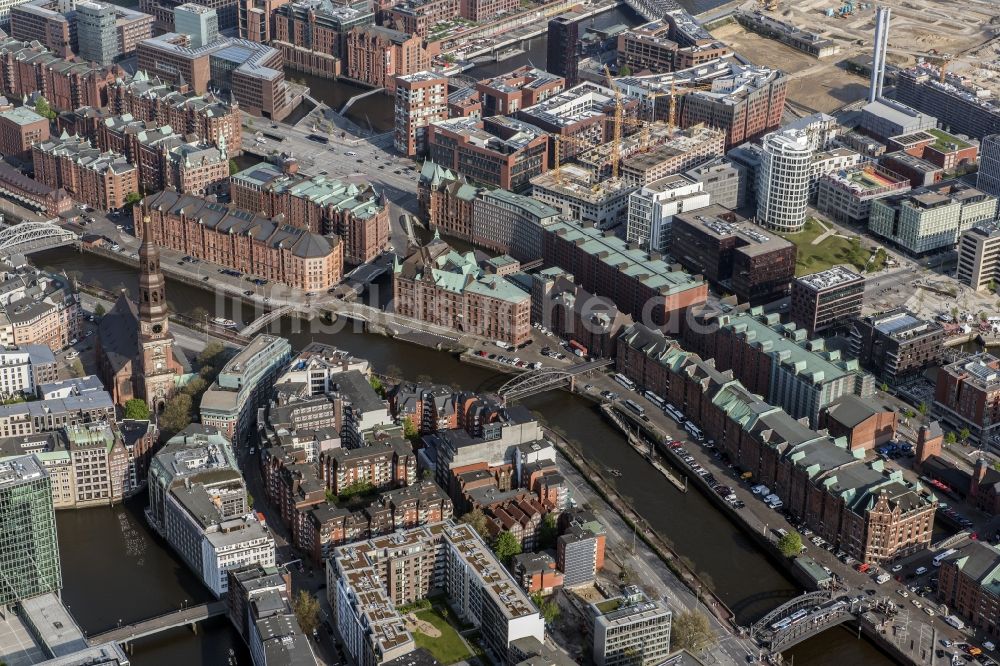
pixel 499 332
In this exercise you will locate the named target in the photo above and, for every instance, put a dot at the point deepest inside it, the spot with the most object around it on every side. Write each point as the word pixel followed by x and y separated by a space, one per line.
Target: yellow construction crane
pixel 672 116
pixel 617 139
pixel 557 139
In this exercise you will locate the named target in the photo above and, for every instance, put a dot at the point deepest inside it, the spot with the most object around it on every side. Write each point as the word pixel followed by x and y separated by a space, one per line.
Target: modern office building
pixel 421 99
pixel 518 89
pixel 639 284
pixel 846 195
pixel 896 345
pixel 967 395
pixel 498 151
pixel 366 582
pixel 96 33
pixel 198 503
pixel 631 629
pixel 988 177
pixel 930 219
pixel 965 109
pixel 979 256
pixel 442 287
pixel 723 180
pixel 733 254
pixel 580 547
pixel 885 118
pixel 652 207
pixel 783 180
pixel 827 299
pixel 198 22
pixel 242 387
pixel 563 46
pixel 29 545
pixel 510 223
pixel 20 129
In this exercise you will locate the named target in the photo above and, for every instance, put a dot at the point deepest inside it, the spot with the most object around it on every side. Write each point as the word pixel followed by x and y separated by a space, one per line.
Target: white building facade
pixel 783 180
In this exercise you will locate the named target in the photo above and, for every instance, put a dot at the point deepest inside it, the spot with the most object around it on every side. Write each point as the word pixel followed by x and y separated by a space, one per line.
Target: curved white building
pixel 783 180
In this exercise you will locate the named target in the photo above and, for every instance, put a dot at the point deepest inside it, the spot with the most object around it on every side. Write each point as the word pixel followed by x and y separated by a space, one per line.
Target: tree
pixel 199 314
pixel 410 431
pixel 306 608
pixel 477 520
pixel 690 631
pixel 195 387
pixel 950 437
pixel 77 368
pixel 176 415
pixel 790 544
pixel 43 109
pixel 132 198
pixel 548 607
pixel 137 409
pixel 377 385
pixel 549 532
pixel 210 353
pixel 884 387
pixel 506 547
pixel 923 408
pixel 964 434
pixel 99 311
pixel 233 167
pixel 624 70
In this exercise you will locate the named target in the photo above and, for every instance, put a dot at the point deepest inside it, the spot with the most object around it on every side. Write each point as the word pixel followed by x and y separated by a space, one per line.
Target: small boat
pixel 220 321
pixel 614 472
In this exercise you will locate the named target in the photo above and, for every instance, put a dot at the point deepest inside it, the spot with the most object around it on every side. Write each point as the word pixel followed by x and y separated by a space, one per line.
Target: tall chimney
pixel 878 53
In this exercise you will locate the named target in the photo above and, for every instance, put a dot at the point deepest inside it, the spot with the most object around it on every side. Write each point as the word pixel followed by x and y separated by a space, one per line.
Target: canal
pixel 123 557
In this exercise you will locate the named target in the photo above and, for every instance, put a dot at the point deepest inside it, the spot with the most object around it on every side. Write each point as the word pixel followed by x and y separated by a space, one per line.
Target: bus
pixel 272 135
pixel 693 430
pixel 318 138
pixel 655 399
pixel 673 413
pixel 634 407
pixel 625 381
pixel 942 556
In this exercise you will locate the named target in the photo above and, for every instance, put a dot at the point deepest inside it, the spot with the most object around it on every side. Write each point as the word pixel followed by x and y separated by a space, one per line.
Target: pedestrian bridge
pixel 179 618
pixel 30 236
pixel 539 381
pixel 802 618
pixel 260 322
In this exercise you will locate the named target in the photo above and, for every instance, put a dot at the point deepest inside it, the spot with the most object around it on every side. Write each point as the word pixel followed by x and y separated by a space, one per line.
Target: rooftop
pixel 22 115
pixel 833 277
pixel 20 470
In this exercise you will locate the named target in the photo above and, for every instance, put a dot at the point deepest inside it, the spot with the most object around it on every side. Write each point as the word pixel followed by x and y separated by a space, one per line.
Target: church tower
pixel 158 366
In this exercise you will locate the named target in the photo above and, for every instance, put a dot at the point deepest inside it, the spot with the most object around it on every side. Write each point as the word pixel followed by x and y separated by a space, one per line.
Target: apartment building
pixel 777 361
pixel 866 510
pixel 930 219
pixel 824 300
pixel 497 151
pixel 580 547
pixel 355 214
pixel 640 285
pixel 964 108
pixel 630 629
pixel 563 46
pixel 897 344
pixel 27 68
pixel 783 180
pixel 376 55
pixel 24 368
pixel 198 503
pixel 979 256
pixel 733 254
pixel 421 99
pixel 480 11
pixel 39 309
pixel 251 72
pixel 847 195
pixel 312 34
pixel 101 180
pixel 445 556
pixel 652 207
pixel 520 88
pixel 257 245
pixel 442 287
pixel 967 395
pixel 420 17
pixel 386 465
pixel 79 408
pixel 683 150
pixel 648 48
pixel 578 194
pixel 244 384
pixel 317 366
pixel 937 147
pixel 20 129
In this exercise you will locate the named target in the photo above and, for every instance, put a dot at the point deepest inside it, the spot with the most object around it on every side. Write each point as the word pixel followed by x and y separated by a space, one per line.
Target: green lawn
pixel 832 251
pixel 447 648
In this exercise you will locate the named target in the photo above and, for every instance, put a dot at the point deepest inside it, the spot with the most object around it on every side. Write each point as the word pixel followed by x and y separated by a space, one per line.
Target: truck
pixel 955 622
pixel 883 578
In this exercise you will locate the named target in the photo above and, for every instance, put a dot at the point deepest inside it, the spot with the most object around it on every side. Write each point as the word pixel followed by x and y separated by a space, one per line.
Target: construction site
pixel 817 41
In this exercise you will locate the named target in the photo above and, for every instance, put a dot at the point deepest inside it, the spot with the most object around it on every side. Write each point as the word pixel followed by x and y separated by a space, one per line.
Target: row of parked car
pixel 724 491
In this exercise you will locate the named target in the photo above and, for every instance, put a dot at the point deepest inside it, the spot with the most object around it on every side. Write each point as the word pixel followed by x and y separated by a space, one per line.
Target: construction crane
pixel 557 139
pixel 617 140
pixel 672 116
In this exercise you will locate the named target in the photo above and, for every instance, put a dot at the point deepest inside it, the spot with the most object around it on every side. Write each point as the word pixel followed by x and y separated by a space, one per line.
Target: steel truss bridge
pixel 30 236
pixel 539 381
pixel 815 622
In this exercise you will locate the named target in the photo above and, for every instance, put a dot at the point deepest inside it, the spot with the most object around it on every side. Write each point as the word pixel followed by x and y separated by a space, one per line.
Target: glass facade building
pixel 29 546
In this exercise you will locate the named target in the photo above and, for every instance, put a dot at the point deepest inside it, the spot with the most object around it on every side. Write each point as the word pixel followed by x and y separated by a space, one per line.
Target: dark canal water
pixel 129 574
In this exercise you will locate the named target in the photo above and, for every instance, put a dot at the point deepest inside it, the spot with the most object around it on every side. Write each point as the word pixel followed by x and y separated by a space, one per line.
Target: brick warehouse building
pixel 317 204
pixel 967 395
pixel 101 180
pixel 862 508
pixel 228 236
pixel 376 55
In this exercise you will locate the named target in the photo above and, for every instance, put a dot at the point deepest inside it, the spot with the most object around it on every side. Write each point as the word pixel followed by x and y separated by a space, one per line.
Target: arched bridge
pixel 539 381
pixel 30 236
pixel 803 617
pixel 260 322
